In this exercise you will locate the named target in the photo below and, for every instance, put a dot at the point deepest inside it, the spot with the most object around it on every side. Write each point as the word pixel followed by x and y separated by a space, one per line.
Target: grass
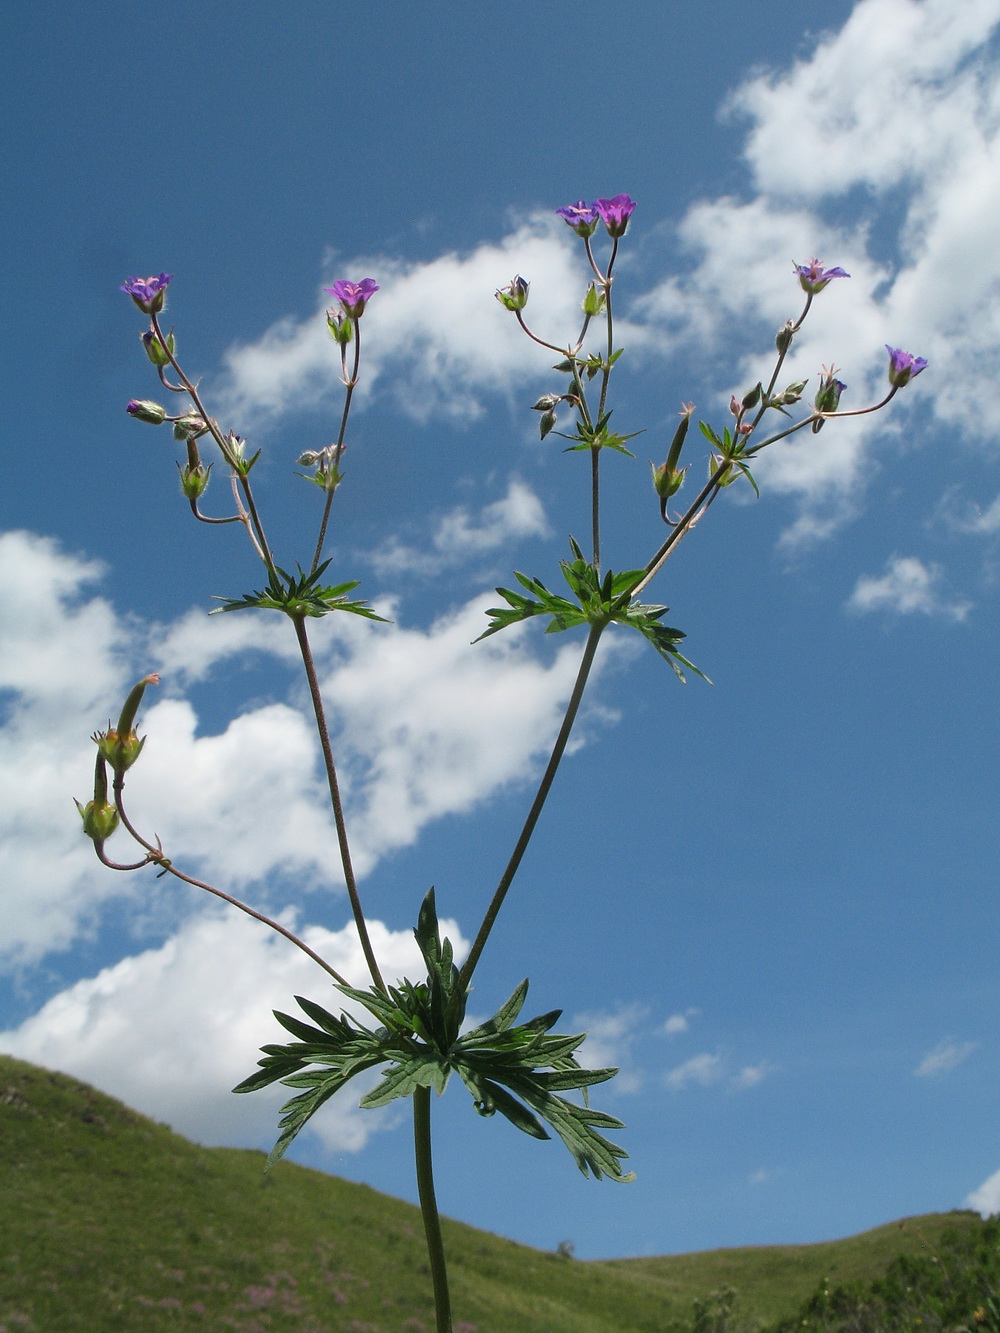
pixel 112 1222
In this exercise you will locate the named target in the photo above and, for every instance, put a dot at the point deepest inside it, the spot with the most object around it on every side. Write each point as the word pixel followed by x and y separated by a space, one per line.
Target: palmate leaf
pixel 600 600
pixel 516 1069
pixel 302 596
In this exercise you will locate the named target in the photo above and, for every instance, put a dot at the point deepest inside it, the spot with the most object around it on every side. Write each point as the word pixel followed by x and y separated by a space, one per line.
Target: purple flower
pixel 903 366
pixel 615 213
pixel 148 293
pixel 581 216
pixel 813 277
pixel 353 296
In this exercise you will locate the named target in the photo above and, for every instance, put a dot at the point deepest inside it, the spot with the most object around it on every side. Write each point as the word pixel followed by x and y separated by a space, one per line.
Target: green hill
pixel 111 1222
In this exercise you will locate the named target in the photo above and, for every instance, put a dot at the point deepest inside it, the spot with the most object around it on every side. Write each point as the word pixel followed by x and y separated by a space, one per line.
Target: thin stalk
pixel 506 879
pixel 156 857
pixel 595 505
pixel 429 1208
pixel 339 446
pixel 338 809
pixel 261 543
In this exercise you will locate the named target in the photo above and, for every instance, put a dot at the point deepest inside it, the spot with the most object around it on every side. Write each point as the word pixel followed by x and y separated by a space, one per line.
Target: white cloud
pixel 908 586
pixel 464 721
pixel 678 1023
pixel 460 535
pixel 610 1039
pixel 750 1075
pixel 434 329
pixel 172 1030
pixel 701 1069
pixel 986 1198
pixel 946 1056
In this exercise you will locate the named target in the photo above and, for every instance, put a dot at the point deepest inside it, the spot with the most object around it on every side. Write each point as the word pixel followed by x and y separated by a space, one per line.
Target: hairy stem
pixel 156 857
pixel 338 809
pixel 548 777
pixel 429 1208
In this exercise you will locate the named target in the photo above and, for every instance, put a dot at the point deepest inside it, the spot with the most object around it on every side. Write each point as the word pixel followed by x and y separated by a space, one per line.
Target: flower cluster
pixel 614 213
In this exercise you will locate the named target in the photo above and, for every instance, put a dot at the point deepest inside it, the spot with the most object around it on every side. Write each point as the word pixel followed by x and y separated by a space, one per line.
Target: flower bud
pixel 547 402
pixel 154 348
pixel 100 818
pixel 341 328
pixel 752 398
pixel 784 337
pixel 547 422
pixel 189 426
pixel 145 410
pixel 594 301
pixel 792 394
pixel 515 295
pixel 194 479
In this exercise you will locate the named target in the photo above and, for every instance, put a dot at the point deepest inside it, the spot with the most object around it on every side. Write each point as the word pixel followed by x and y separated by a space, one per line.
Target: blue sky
pixel 772 901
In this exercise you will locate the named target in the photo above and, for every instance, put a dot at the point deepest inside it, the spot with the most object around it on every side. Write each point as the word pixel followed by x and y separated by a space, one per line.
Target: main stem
pixel 429 1208
pixel 548 777
pixel 338 809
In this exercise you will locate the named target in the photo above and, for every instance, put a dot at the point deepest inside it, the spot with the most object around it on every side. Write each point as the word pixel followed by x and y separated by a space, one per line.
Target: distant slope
pixel 111 1222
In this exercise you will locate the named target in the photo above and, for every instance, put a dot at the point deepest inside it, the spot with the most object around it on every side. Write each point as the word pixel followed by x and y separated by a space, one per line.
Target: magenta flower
pixel 581 216
pixel 903 366
pixel 148 293
pixel 615 213
pixel 813 277
pixel 353 296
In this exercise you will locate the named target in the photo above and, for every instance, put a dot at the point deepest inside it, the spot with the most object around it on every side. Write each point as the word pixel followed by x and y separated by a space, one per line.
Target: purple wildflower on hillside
pixel 615 213
pixel 813 277
pixel 581 216
pixel 903 366
pixel 353 296
pixel 147 293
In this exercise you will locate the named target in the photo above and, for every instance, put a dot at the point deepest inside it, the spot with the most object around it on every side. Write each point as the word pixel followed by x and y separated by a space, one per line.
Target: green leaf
pixel 302 596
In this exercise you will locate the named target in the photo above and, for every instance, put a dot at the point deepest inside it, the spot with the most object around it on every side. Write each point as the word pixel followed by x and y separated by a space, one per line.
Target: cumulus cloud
pixel 946 1056
pixel 705 1070
pixel 460 535
pixel 172 1030
pixel 908 586
pixel 245 805
pixel 702 1069
pixel 610 1039
pixel 434 331
pixel 678 1023
pixel 896 115
pixel 986 1198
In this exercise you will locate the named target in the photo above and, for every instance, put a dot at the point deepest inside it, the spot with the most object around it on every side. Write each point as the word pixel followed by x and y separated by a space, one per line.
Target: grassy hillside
pixel 111 1222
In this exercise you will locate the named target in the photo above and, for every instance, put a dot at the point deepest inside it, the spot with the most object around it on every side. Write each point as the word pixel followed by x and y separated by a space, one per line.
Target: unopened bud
pixel 594 301
pixel 340 327
pixel 100 818
pixel 189 426
pixel 547 422
pixel 194 479
pixel 547 402
pixel 154 348
pixel 784 337
pixel 752 398
pixel 792 394
pixel 143 409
